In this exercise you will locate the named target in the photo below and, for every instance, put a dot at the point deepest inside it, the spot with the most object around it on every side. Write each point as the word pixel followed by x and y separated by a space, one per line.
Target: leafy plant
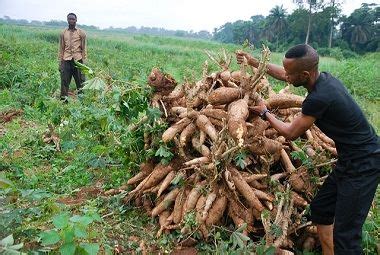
pixel 8 246
pixel 228 242
pixel 240 159
pixel 238 239
pixel 4 183
pixel 301 155
pixel 69 233
pixel 164 153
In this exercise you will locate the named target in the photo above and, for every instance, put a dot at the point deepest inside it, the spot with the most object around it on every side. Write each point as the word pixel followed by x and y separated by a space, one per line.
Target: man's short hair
pixel 307 55
pixel 299 51
pixel 72 14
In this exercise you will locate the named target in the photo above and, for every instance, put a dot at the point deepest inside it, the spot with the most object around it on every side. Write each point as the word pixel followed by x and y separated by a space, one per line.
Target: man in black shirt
pixel 342 204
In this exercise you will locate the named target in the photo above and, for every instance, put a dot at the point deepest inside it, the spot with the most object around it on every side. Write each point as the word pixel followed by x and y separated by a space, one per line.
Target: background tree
pixel 258 26
pixel 334 10
pixel 277 23
pixel 311 5
pixel 361 28
pixel 297 26
pixel 224 33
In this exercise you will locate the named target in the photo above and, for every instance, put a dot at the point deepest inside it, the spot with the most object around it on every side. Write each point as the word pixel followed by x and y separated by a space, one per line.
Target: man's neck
pixel 72 27
pixel 313 80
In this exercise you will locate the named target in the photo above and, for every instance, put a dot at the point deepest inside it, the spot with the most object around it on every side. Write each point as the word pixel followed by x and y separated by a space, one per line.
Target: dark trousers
pixel 67 71
pixel 344 200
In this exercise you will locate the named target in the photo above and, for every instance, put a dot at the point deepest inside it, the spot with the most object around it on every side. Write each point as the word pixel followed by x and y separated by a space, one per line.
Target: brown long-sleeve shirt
pixel 72 45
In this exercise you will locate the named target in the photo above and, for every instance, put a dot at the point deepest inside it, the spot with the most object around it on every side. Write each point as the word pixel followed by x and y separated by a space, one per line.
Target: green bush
pixel 336 53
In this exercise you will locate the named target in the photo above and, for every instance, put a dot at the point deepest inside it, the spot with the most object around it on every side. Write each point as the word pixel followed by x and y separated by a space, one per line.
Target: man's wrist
pixel 263 114
pixel 253 62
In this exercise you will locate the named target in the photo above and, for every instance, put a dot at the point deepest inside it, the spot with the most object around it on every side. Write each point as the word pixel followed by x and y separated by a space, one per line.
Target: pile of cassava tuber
pixel 230 168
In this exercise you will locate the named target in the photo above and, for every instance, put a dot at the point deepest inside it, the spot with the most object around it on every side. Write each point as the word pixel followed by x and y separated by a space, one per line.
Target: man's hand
pixel 259 108
pixel 240 55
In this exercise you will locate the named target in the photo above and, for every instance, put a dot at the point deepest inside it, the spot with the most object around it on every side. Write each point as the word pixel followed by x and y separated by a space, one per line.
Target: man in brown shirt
pixel 72 46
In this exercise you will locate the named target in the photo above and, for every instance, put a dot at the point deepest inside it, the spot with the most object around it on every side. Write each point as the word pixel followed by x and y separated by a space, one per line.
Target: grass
pixel 97 150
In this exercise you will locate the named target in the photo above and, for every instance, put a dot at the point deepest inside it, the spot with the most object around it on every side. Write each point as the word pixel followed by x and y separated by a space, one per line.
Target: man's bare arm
pixel 293 130
pixel 61 47
pixel 275 71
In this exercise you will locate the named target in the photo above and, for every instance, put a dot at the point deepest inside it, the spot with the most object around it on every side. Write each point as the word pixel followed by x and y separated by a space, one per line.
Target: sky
pixel 187 15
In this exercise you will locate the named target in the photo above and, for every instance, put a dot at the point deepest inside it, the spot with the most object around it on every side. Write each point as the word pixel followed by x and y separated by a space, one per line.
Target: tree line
pixel 317 23
pixel 203 34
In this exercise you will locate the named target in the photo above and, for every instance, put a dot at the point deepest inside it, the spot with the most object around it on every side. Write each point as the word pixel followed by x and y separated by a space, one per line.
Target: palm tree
pixel 359 28
pixel 277 23
pixel 360 34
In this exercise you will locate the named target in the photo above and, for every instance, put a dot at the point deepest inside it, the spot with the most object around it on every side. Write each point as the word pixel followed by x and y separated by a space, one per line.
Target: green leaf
pixel 61 221
pixel 270 251
pixel 16 246
pixel 84 68
pixel 234 241
pixel 49 237
pixel 153 113
pixel 7 241
pixel 35 194
pixel 90 248
pixel 178 179
pixel 94 84
pixel 84 220
pixel 240 159
pixel 96 216
pixel 11 252
pixel 68 235
pixel 4 183
pixel 80 232
pixel 241 228
pixel 243 237
pixel 67 249
pixel 163 152
pixel 239 241
pixel 276 230
pixel 103 123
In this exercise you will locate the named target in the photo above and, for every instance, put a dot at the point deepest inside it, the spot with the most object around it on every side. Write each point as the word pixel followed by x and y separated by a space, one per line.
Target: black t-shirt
pixel 340 118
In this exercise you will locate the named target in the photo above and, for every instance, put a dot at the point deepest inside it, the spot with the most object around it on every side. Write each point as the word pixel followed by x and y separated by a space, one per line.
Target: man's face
pixel 71 20
pixel 294 73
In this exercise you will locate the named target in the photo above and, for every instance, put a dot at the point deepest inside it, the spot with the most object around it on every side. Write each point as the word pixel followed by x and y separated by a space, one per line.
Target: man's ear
pixel 306 74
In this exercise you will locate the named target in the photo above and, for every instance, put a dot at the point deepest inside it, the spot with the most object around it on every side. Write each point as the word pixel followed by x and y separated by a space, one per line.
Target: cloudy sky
pixel 170 14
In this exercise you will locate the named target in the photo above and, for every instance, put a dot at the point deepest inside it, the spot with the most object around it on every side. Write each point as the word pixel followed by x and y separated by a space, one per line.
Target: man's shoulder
pixel 327 84
pixel 81 31
pixel 329 79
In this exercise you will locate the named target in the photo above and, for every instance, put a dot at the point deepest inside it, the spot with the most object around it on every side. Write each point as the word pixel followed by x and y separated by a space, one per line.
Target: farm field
pixel 57 160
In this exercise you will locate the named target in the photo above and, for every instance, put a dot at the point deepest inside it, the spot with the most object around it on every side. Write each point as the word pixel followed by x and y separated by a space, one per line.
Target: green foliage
pixel 164 153
pixel 69 233
pixel 237 238
pixel 263 250
pixel 228 242
pixel 301 155
pixel 4 183
pixel 190 220
pixel 280 31
pixel 240 159
pixel 8 246
pixel 86 70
